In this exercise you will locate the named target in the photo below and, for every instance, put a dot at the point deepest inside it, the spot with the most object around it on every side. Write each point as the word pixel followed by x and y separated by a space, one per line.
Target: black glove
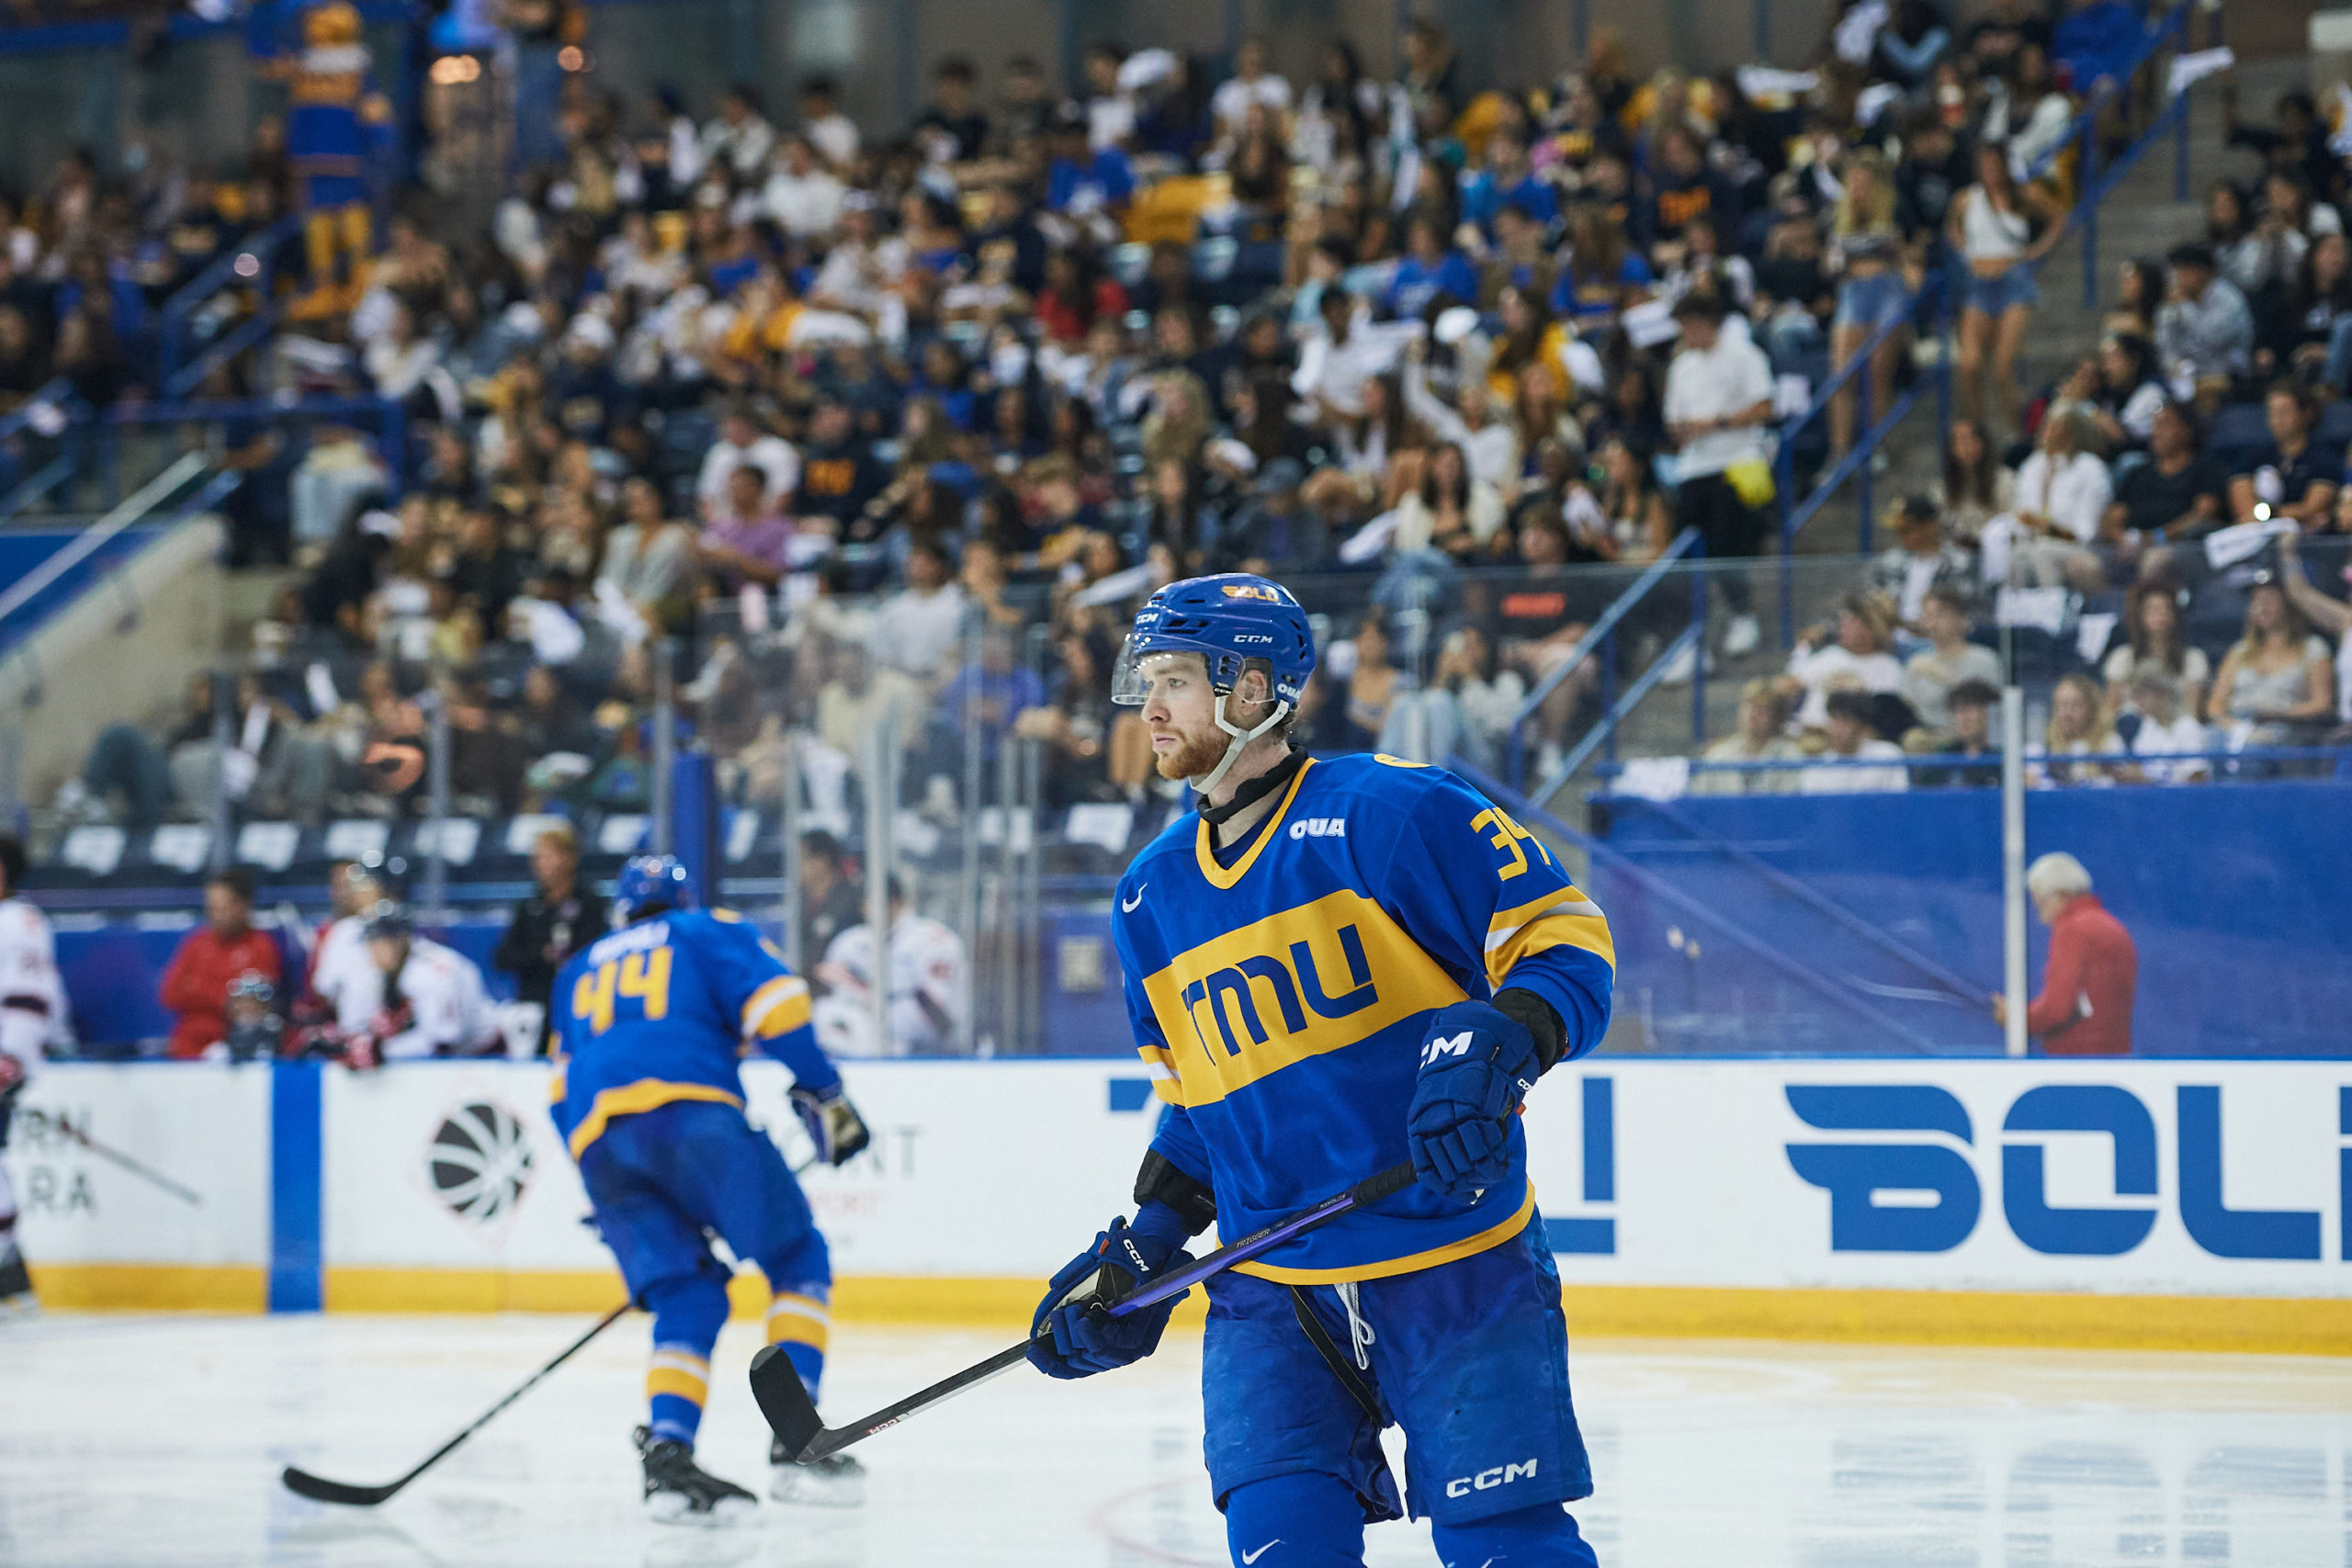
pixel 1074 1335
pixel 832 1122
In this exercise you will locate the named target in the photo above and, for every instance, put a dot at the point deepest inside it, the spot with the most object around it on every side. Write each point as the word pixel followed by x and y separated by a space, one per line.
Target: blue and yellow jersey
pixel 662 1011
pixel 1281 1002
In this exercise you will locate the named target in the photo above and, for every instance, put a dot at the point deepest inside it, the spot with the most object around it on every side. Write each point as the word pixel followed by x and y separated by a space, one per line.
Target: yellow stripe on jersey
pixel 1557 920
pixel 630 1098
pixel 777 1008
pixel 1307 981
pixel 1492 1236
pixel 557 1079
pixel 1218 877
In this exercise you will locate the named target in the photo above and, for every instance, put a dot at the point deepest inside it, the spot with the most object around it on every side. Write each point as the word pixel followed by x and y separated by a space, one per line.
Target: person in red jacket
pixel 210 959
pixel 2085 1008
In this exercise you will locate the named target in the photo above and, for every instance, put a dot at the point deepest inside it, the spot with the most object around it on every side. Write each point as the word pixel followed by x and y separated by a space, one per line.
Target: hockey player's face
pixel 1179 709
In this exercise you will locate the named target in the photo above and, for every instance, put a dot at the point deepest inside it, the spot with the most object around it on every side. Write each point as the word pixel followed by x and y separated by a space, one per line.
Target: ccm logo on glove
pixel 1457 1046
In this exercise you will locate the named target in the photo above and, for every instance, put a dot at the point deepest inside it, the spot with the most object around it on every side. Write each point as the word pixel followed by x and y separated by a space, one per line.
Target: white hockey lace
pixel 1360 1335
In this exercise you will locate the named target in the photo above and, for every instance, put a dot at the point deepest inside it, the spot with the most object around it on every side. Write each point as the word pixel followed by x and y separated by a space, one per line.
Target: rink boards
pixel 2149 1203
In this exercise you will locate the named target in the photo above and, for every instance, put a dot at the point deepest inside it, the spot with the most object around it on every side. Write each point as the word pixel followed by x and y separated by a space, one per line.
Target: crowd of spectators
pixel 2165 531
pixel 909 422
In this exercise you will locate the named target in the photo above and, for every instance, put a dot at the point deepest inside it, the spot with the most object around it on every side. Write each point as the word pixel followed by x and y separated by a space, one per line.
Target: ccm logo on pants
pixel 1488 1480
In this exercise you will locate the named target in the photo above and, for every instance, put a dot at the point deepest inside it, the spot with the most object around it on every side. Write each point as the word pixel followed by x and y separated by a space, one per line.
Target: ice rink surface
pixel 155 1442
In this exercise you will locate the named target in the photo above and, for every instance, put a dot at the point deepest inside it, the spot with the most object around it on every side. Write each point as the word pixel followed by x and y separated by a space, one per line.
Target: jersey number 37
pixel 637 977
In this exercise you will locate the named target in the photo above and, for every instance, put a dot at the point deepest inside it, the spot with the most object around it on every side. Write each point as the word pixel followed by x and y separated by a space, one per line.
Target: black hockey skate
pixel 679 1491
pixel 837 1481
pixel 17 1299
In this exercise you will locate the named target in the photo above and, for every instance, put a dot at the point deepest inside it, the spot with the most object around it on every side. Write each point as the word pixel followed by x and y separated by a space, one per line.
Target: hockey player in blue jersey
pixel 650 1023
pixel 1332 967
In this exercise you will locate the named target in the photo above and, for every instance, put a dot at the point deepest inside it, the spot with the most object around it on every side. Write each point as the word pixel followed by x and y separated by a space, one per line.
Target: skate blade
pixel 669 1509
pixel 790 1483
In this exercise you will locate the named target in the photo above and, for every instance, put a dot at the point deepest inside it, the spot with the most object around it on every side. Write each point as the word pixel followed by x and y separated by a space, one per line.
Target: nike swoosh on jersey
pixel 1249 1557
pixel 1128 906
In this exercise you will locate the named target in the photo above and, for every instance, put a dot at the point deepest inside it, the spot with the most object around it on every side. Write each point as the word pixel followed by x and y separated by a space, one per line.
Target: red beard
pixel 1194 756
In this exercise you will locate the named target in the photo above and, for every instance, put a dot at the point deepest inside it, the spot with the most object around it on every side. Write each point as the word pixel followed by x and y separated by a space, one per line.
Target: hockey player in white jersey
pixel 930 987
pixel 32 1018
pixel 434 1001
pixel 343 977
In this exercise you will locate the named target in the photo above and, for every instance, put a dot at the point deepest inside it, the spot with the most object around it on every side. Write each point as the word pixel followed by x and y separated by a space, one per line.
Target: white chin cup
pixel 1239 744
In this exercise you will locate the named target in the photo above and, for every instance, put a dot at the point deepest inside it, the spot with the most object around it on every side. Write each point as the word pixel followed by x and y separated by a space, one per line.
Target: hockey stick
pixel 65 1129
pixel 319 1489
pixel 792 1414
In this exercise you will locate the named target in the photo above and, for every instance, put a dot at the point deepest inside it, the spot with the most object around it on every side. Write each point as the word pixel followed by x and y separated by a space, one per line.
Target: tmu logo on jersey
pixel 1307 981
pixel 1941 1198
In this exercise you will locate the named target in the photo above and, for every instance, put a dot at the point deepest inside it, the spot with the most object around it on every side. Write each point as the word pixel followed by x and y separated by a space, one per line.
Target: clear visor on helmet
pixel 1131 679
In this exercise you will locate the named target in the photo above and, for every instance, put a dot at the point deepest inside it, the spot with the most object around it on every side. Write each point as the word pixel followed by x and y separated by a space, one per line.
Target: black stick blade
pixel 783 1400
pixel 302 1483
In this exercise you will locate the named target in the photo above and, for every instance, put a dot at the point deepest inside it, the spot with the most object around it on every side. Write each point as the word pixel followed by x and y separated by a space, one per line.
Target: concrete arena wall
pixel 2183 1204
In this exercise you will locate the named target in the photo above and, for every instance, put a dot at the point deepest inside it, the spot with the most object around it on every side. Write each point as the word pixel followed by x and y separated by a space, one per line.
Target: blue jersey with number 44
pixel 1282 999
pixel 665 1010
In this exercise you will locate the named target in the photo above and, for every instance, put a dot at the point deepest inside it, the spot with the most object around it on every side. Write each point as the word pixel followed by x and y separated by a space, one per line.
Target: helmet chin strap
pixel 1234 748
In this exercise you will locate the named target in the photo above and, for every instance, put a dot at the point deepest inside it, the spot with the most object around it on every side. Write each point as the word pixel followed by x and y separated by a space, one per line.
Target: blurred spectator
pixel 559 919
pixel 1452 509
pixel 2275 684
pixel 1922 560
pixel 951 129
pixel 212 958
pixel 2153 630
pixel 1373 683
pixel 1992 226
pixel 2092 975
pixel 1718 399
pixel 1949 660
pixel 1465 711
pixel 920 629
pixel 992 694
pixel 2293 481
pixel 650 561
pixel 1075 722
pixel 1971 705
pixel 2332 617
pixel 832 900
pixel 745 541
pixel 741 441
pixel 1860 647
pixel 2176 495
pixel 2204 330
pixel 1974 488
pixel 2063 492
pixel 2165 729
pixel 1848 736
pixel 2080 725
pixel 1760 738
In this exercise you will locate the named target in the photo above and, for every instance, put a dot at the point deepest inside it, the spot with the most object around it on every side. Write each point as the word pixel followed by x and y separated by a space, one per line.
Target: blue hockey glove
pixel 1477 1065
pixel 1073 1334
pixel 832 1122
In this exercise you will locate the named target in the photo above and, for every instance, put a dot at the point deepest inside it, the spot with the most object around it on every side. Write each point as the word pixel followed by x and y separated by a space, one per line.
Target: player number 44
pixel 1507 836
pixel 638 976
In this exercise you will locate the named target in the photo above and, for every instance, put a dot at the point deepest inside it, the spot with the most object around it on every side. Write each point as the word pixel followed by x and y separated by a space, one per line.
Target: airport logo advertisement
pixel 1901 1161
pixel 479 1164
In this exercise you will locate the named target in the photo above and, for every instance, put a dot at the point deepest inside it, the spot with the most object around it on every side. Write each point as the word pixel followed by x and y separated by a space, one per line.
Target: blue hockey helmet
pixel 1231 620
pixel 1228 619
pixel 649 885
